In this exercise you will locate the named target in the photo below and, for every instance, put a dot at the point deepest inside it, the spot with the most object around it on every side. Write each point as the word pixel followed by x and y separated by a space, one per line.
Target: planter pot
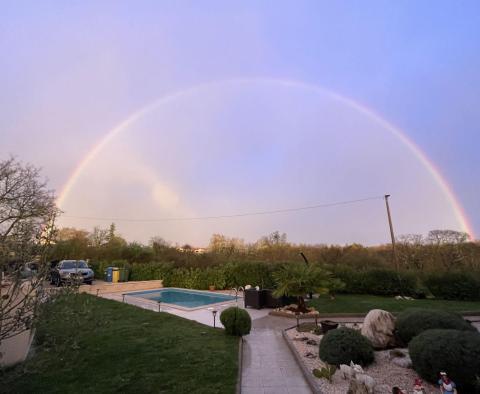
pixel 328 325
pixel 211 287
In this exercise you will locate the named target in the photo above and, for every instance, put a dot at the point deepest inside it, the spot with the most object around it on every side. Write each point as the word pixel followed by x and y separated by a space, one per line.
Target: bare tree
pixel 447 247
pixel 411 251
pixel 27 214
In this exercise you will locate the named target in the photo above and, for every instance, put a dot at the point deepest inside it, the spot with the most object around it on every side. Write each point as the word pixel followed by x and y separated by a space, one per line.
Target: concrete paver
pixel 268 365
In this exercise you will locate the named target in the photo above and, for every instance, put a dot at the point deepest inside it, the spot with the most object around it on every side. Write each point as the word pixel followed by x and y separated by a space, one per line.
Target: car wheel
pixel 88 282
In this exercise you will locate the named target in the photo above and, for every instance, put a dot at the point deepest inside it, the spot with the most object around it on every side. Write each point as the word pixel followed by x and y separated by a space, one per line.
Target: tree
pixel 447 246
pixel 298 279
pixel 71 243
pixel 411 251
pixel 27 214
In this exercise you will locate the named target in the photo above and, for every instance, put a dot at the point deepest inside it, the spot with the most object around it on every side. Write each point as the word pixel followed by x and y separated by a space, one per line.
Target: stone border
pixel 362 315
pixel 293 316
pixel 305 371
pixel 238 389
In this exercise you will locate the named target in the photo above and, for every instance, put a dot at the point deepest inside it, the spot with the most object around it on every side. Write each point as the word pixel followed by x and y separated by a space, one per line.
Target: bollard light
pixel 159 302
pixel 214 313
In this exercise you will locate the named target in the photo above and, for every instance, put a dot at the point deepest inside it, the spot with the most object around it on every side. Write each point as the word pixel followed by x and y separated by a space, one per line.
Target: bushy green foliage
pixel 412 322
pixel 236 321
pixel 376 281
pixel 250 273
pixel 151 271
pixel 454 286
pixel 454 351
pixel 326 372
pixel 342 345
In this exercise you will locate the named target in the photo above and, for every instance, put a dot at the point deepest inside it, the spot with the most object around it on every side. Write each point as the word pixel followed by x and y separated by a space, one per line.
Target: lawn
pixel 356 303
pixel 86 344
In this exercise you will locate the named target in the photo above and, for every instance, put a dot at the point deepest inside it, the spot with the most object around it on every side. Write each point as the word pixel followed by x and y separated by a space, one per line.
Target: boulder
pixel 378 327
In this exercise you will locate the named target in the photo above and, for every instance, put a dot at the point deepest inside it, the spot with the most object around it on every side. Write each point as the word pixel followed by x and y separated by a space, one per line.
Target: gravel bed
pixel 386 373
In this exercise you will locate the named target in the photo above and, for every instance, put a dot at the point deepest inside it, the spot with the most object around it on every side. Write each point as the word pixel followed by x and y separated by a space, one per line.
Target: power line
pixel 258 213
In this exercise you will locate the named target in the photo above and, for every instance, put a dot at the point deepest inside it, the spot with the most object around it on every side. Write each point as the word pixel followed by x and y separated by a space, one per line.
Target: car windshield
pixel 74 264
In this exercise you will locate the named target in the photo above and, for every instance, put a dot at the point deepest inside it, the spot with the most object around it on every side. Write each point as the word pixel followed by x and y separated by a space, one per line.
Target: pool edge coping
pixel 233 302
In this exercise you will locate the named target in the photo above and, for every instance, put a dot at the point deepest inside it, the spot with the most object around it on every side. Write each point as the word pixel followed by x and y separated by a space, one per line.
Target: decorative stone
pixel 404 362
pixel 301 339
pixel 357 388
pixel 378 327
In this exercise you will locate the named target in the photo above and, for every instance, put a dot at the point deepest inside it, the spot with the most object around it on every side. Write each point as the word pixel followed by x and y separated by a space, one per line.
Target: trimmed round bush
pixel 412 322
pixel 236 321
pixel 342 345
pixel 453 351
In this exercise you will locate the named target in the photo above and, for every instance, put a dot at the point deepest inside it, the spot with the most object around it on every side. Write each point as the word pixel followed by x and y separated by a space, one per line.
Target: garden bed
pixel 386 373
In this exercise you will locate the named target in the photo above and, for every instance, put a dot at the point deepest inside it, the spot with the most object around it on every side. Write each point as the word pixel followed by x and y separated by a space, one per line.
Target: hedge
pixel 383 282
pixel 376 282
pixel 454 286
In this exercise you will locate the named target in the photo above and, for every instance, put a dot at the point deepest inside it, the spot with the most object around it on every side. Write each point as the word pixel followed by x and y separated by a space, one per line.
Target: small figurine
pixel 418 387
pixel 447 386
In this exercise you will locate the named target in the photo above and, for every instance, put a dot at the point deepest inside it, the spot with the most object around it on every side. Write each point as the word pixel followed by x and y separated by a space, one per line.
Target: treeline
pixel 439 251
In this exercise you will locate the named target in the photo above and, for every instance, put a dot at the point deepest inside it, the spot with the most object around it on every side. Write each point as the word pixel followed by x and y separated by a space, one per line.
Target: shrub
pixel 412 322
pixel 457 352
pixel 150 271
pixel 236 321
pixel 250 273
pixel 376 281
pixel 342 345
pixel 454 286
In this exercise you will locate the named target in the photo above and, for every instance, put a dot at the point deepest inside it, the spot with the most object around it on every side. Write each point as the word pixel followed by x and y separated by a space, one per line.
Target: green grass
pixel 87 344
pixel 357 303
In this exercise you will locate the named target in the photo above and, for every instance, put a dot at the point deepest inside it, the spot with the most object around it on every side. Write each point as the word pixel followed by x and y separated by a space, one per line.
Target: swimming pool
pixel 183 298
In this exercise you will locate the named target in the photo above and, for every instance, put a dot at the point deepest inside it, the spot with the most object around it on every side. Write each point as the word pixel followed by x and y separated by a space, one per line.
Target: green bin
pixel 123 274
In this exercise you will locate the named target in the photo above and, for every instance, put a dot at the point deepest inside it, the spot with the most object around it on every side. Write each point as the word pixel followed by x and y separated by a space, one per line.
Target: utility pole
pixel 394 254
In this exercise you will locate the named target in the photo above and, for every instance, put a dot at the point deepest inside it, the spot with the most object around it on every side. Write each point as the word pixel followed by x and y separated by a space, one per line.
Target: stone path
pixel 268 364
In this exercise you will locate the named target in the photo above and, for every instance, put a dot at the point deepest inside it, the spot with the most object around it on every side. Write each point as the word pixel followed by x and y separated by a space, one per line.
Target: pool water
pixel 183 298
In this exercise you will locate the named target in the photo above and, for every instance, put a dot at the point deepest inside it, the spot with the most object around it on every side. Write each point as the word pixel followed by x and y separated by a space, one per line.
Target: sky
pixel 249 106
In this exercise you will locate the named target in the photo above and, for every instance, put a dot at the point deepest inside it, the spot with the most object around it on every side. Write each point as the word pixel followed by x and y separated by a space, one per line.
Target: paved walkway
pixel 268 364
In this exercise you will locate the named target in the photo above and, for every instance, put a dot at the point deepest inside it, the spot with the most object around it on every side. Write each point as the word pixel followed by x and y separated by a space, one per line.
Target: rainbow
pixel 419 154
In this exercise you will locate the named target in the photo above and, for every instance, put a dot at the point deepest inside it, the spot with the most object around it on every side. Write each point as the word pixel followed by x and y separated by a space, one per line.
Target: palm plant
pixel 299 279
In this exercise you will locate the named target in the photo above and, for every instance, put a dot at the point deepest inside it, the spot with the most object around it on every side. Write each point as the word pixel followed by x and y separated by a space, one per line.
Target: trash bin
pixel 123 274
pixel 108 274
pixel 115 275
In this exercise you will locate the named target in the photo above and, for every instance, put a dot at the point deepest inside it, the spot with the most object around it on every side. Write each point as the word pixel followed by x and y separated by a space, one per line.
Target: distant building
pixel 192 250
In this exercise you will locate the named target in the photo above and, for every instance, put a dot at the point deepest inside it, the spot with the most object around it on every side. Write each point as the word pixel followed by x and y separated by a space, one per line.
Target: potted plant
pixel 211 287
pixel 328 325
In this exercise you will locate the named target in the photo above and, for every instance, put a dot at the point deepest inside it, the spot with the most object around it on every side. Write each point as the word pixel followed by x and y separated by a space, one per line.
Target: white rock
pixel 404 362
pixel 378 327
